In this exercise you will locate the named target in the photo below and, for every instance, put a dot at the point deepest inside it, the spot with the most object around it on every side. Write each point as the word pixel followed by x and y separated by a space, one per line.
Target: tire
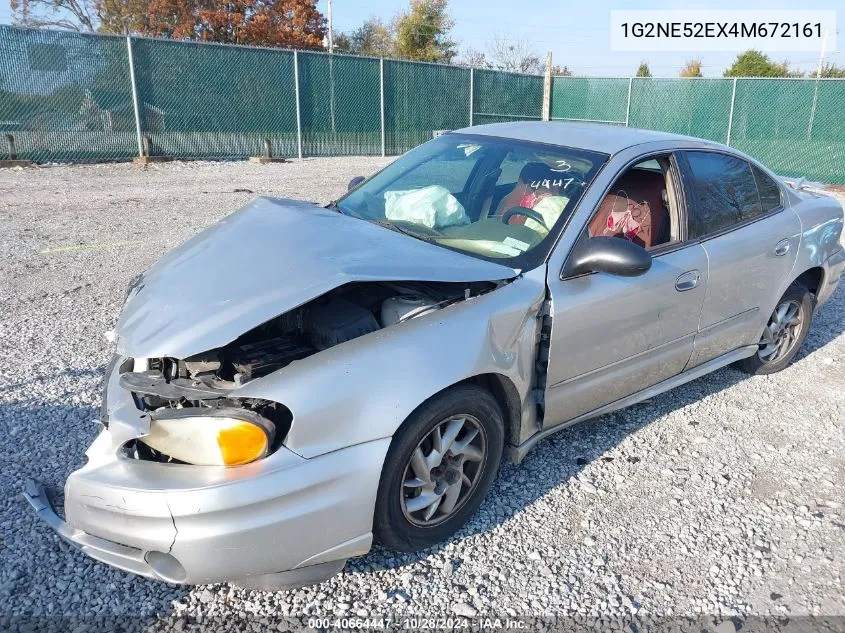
pixel 767 362
pixel 396 523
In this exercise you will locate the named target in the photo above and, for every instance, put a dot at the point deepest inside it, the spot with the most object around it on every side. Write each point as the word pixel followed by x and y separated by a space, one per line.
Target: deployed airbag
pixel 434 207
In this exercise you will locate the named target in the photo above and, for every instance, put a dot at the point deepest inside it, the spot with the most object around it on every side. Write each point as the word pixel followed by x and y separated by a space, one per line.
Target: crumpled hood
pixel 264 260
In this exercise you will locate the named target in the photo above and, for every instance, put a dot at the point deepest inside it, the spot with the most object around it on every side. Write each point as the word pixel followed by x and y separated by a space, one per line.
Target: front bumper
pixel 128 558
pixel 199 524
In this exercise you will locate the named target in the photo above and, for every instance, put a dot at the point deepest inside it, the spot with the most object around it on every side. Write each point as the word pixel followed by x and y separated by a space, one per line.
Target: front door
pixel 614 336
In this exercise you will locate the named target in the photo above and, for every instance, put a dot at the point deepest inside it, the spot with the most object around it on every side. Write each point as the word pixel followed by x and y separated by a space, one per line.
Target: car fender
pixel 364 389
pixel 821 229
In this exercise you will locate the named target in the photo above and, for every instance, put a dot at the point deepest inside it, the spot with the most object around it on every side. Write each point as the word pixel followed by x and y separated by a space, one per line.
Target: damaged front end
pixel 247 414
pixel 191 480
pixel 196 416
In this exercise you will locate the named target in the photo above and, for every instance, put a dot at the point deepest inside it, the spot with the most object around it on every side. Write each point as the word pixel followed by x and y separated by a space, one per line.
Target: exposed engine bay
pixel 205 381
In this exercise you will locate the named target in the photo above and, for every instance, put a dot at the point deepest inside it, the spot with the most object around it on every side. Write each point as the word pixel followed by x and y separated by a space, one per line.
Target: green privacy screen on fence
pixel 794 126
pixel 579 99
pixel 700 107
pixel 214 101
pixel 340 105
pixel 506 97
pixel 420 98
pixel 68 97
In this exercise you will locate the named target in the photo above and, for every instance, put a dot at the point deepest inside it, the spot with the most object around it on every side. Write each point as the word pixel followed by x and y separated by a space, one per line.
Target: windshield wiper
pixel 335 207
pixel 395 227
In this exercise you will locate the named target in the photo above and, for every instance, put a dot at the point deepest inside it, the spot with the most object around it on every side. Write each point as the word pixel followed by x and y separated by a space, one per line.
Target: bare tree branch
pixel 54 13
pixel 473 59
pixel 513 55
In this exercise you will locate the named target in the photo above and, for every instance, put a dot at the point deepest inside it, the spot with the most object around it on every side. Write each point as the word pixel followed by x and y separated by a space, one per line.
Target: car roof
pixel 600 137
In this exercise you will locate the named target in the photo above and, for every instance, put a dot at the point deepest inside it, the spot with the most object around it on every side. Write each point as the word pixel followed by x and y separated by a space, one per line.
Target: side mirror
pixel 355 182
pixel 607 255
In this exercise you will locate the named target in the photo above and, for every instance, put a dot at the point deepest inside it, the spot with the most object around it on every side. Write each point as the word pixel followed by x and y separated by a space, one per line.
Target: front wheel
pixel 784 333
pixel 440 466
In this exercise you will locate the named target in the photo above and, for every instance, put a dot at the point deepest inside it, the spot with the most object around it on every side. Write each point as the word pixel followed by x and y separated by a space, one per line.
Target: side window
pixel 724 192
pixel 768 189
pixel 640 206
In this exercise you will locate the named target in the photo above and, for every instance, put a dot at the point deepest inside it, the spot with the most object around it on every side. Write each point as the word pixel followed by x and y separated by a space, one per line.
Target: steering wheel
pixel 528 213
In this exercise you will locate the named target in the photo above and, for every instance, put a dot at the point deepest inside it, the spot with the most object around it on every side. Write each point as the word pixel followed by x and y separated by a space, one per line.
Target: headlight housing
pixel 211 437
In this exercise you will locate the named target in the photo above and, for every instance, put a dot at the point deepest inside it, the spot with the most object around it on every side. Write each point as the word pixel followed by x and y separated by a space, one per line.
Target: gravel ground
pixel 723 497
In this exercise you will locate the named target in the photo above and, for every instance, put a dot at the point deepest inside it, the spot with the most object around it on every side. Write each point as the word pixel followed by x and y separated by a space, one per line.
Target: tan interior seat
pixel 641 193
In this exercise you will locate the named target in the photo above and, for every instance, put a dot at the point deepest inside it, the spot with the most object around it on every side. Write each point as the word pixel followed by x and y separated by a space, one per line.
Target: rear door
pixel 737 214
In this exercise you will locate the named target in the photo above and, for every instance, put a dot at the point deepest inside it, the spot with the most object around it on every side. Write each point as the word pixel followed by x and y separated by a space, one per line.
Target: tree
pixel 123 16
pixel 561 71
pixel 342 43
pixel 423 32
pixel 514 56
pixel 373 39
pixel 473 59
pixel 691 69
pixel 643 70
pixel 75 15
pixel 831 71
pixel 281 23
pixel 753 63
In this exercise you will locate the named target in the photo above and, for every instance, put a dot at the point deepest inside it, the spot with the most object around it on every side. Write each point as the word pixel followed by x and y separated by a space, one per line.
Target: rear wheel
pixel 784 333
pixel 440 466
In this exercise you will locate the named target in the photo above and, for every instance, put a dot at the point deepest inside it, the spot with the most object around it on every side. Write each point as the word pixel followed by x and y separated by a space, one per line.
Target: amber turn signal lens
pixel 241 444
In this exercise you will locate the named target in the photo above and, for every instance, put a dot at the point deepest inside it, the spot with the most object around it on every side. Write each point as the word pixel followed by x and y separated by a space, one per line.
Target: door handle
pixel 687 281
pixel 782 247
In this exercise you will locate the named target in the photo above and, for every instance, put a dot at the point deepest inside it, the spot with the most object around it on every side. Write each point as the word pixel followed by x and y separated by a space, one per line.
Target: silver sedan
pixel 298 381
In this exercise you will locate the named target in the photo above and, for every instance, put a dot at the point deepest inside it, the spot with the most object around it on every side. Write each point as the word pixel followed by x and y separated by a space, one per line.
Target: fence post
pixel 135 105
pixel 731 115
pixel 546 111
pixel 471 94
pixel 628 105
pixel 381 101
pixel 816 90
pixel 298 112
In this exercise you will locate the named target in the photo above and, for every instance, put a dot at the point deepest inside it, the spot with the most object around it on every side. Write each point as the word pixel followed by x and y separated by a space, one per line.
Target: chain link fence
pixel 501 96
pixel 69 97
pixel 340 105
pixel 214 101
pixel 66 96
pixel 420 98
pixel 794 126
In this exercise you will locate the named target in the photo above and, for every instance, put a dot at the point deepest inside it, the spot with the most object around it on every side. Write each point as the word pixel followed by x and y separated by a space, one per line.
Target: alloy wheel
pixel 443 470
pixel 782 332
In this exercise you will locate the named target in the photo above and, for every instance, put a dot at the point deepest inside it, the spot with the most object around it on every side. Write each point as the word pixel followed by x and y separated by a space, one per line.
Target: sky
pixel 577 33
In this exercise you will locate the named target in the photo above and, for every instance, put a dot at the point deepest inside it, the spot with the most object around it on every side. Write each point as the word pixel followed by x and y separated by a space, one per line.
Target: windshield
pixel 498 199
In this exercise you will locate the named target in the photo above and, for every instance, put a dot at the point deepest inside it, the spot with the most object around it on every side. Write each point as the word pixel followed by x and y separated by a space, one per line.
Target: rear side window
pixel 768 189
pixel 724 190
